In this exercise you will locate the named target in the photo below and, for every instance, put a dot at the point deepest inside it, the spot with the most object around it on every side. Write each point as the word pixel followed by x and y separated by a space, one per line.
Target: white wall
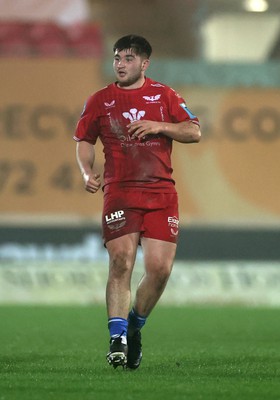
pixel 239 37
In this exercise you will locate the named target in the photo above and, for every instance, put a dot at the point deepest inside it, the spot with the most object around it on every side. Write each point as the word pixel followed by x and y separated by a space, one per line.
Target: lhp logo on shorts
pixel 115 220
pixel 173 223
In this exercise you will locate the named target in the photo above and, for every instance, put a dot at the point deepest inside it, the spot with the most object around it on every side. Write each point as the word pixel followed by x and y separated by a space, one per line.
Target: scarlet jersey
pixel 133 163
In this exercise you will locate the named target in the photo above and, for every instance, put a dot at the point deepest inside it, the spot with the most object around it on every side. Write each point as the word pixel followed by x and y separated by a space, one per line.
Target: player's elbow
pixel 192 132
pixel 194 135
pixel 197 136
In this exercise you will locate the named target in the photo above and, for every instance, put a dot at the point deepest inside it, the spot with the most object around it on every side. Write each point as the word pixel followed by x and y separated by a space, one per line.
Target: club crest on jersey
pixel 134 115
pixel 109 105
pixel 152 99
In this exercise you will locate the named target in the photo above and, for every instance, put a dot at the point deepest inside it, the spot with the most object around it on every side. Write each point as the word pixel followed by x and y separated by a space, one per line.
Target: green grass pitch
pixel 189 353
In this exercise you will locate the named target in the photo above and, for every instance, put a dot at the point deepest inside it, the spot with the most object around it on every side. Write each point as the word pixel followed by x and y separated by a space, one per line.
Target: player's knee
pixel 160 270
pixel 121 261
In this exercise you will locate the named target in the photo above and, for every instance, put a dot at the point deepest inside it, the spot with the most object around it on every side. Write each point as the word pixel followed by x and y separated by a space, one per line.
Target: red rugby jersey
pixel 141 164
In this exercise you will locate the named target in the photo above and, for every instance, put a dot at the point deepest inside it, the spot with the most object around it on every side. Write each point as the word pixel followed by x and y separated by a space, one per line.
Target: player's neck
pixel 136 85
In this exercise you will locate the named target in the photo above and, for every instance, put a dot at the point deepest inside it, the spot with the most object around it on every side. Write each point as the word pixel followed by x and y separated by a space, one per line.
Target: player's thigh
pixel 158 255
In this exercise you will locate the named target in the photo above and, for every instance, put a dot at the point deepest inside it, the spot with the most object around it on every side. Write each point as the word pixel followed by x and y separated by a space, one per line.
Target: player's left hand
pixel 142 128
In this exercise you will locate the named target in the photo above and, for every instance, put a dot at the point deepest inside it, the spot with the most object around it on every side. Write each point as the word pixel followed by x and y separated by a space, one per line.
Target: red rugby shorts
pixel 154 215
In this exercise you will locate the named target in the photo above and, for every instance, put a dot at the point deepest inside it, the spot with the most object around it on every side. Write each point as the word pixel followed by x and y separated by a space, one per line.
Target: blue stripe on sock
pixel 117 326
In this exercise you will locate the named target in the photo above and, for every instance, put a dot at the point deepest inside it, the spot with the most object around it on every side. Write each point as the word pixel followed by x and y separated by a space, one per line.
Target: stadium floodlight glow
pixel 256 5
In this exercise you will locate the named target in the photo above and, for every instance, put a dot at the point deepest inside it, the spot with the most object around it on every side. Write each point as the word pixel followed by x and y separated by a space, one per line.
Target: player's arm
pixel 85 155
pixel 184 132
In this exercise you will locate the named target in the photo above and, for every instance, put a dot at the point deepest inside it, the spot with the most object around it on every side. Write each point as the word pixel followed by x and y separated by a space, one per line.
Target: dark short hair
pixel 137 43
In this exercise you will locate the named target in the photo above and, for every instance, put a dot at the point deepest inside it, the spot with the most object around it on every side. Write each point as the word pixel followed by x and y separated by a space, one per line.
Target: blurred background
pixel 223 57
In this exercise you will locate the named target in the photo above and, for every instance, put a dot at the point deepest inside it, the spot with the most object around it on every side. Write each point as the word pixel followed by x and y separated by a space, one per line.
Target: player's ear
pixel 145 64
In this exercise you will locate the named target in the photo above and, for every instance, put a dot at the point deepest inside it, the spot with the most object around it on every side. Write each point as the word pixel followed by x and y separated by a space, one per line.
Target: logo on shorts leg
pixel 115 220
pixel 173 223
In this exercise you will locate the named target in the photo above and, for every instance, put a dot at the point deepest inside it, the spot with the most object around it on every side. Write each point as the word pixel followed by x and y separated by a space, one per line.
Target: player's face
pixel 129 68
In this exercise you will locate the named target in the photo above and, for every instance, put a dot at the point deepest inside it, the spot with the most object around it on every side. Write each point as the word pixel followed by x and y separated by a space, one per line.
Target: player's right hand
pixel 92 182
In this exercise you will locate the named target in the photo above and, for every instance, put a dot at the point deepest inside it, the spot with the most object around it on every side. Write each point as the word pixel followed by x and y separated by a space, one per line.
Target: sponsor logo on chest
pixel 152 99
pixel 110 104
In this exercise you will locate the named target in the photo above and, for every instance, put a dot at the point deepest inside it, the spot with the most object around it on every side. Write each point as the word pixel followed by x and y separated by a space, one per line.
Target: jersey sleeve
pixel 87 126
pixel 178 109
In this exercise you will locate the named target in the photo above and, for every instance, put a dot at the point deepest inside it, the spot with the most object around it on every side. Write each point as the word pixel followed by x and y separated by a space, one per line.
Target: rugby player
pixel 136 119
